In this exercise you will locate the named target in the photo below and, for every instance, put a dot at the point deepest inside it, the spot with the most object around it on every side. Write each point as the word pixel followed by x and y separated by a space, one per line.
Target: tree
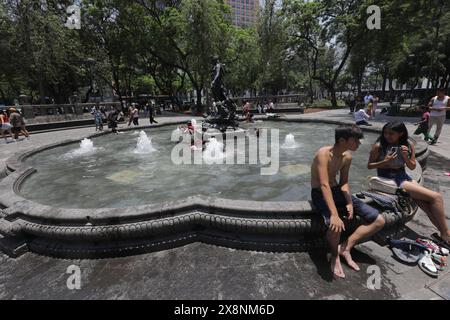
pixel 273 50
pixel 328 30
pixel 41 55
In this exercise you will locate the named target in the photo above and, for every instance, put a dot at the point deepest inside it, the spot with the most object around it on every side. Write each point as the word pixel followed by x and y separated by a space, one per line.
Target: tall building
pixel 244 12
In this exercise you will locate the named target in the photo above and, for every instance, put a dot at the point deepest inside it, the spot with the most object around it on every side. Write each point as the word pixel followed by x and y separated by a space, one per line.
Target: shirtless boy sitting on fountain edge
pixel 334 200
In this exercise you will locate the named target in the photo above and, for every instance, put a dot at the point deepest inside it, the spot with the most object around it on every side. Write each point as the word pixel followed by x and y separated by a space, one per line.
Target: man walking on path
pixel 438 107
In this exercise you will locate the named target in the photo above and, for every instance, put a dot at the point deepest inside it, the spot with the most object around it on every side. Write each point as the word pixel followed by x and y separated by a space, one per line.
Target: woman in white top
pixel 438 107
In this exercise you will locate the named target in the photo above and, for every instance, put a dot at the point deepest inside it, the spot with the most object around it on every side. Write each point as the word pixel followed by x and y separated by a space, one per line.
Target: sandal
pixel 427 265
pixel 432 246
pixel 444 244
pixel 439 261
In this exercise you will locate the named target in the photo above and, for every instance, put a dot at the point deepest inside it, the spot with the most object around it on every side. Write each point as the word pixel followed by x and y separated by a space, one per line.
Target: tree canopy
pixel 165 47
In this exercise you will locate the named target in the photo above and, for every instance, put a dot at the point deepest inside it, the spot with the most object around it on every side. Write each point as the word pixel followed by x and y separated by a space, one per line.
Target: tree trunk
pixel 198 108
pixel 41 90
pixel 334 102
pixel 385 76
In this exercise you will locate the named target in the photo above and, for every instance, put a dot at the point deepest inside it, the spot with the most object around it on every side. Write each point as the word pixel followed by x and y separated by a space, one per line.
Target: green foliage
pixel 165 47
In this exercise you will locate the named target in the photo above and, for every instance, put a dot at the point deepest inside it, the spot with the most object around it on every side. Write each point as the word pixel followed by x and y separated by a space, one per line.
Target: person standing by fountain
pixel 130 114
pixel 18 124
pixel 247 112
pixel 135 115
pixel 98 118
pixel 5 126
pixel 438 106
pixel 334 201
pixel 112 120
pixel 150 111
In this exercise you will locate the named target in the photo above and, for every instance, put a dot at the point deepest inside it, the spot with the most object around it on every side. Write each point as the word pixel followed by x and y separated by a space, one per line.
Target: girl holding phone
pixel 390 155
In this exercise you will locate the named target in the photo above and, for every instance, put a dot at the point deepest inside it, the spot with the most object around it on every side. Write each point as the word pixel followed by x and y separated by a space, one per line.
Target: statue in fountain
pixel 226 109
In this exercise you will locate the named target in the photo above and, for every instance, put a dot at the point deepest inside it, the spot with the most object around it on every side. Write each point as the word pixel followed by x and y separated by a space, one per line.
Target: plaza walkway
pixel 442 148
pixel 199 271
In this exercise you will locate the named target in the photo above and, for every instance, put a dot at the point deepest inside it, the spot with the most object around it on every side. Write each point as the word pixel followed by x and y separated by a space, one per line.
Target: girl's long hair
pixel 398 127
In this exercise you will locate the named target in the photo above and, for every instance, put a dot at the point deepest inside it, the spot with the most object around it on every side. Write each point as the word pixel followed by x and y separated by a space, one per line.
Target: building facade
pixel 244 12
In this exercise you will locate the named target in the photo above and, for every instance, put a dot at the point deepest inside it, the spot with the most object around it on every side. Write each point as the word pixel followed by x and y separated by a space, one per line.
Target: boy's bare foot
pixel 343 252
pixel 336 267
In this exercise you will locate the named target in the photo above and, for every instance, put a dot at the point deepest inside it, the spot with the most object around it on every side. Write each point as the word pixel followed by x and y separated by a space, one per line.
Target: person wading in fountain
pixel 334 200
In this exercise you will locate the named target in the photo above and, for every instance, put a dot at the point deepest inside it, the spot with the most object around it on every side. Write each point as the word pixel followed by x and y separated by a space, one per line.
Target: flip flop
pixel 444 245
pixel 447 174
pixel 432 246
pixel 439 261
pixel 427 265
pixel 407 251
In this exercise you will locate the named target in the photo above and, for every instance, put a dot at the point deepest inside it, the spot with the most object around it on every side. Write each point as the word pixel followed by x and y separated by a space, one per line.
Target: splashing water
pixel 289 142
pixel 144 144
pixel 177 131
pixel 213 153
pixel 194 124
pixel 86 148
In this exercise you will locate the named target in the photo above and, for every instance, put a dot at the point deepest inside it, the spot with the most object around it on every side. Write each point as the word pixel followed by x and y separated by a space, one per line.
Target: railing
pixel 60 111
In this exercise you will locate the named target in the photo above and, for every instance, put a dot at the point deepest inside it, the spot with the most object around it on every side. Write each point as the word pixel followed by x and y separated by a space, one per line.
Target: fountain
pixel 144 144
pixel 138 204
pixel 213 153
pixel 194 124
pixel 289 142
pixel 86 148
pixel 113 204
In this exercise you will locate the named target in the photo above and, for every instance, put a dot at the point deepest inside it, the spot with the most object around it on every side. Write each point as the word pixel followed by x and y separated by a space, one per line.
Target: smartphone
pixel 394 150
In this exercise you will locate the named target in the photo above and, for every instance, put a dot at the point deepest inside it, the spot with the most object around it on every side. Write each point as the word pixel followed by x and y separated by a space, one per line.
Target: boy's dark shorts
pixel 368 213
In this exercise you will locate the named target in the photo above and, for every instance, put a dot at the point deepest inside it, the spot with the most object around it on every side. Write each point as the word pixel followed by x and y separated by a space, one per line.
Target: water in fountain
pixel 289 142
pixel 213 153
pixel 120 183
pixel 144 144
pixel 86 148
pixel 177 131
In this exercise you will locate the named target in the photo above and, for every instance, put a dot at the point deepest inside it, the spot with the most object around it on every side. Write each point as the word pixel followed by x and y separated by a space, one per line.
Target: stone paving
pixel 200 271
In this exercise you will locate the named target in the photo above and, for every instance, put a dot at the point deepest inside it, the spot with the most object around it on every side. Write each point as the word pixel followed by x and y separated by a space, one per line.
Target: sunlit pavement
pixel 200 271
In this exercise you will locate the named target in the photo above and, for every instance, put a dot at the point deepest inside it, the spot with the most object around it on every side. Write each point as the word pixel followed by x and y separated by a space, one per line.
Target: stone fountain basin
pixel 96 233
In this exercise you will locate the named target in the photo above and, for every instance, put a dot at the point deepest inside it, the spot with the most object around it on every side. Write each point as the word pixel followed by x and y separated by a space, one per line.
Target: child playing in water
pixel 334 201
